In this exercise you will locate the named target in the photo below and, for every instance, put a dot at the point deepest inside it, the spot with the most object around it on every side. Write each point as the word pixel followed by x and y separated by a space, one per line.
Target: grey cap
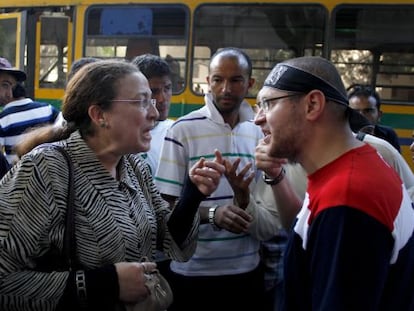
pixel 5 66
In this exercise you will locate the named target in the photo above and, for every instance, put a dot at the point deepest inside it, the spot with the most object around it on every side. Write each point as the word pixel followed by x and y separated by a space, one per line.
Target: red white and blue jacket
pixel 352 245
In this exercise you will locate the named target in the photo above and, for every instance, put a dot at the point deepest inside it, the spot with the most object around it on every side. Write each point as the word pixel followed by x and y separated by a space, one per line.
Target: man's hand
pixel 232 218
pixel 271 166
pixel 239 182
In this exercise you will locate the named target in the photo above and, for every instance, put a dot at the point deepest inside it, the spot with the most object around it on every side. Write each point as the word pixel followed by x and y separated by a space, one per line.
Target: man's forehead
pixel 7 78
pixel 230 75
pixel 228 67
pixel 157 82
pixel 267 92
pixel 363 100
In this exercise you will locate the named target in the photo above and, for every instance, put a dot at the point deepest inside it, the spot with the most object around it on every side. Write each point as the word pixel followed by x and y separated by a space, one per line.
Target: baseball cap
pixel 5 66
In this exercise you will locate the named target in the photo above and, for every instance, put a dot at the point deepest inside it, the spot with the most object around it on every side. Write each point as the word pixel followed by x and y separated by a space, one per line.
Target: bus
pixel 371 43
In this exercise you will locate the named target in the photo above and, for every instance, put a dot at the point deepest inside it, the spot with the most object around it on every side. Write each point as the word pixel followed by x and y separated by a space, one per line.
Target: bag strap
pixel 69 241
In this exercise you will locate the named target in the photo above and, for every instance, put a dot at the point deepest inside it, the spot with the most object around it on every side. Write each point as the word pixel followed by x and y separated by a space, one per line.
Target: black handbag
pixel 55 259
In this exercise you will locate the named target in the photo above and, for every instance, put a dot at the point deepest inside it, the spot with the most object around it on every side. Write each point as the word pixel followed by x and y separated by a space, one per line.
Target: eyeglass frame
pixel 144 104
pixel 264 104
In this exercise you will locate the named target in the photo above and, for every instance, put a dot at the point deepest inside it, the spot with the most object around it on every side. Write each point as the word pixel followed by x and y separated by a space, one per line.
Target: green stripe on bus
pixel 54 102
pixel 398 121
pixel 179 109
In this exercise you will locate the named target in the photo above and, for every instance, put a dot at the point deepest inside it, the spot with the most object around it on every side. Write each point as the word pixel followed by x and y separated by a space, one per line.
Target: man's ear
pixel 251 82
pixel 208 84
pixel 315 104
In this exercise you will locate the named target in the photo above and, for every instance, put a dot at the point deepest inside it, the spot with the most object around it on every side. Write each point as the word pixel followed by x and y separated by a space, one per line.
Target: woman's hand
pixel 206 174
pixel 131 279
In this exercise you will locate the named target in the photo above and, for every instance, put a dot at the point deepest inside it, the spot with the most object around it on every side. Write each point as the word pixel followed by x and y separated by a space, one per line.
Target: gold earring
pixel 102 123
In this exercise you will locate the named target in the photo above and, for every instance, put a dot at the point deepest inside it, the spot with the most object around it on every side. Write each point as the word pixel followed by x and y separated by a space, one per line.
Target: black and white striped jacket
pixel 115 220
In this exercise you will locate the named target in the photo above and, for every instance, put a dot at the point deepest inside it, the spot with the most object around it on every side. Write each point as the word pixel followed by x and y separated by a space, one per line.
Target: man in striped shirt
pixel 20 115
pixel 225 268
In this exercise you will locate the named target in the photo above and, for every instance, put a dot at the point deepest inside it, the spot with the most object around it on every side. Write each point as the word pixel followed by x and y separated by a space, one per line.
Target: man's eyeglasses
pixel 266 104
pixel 143 104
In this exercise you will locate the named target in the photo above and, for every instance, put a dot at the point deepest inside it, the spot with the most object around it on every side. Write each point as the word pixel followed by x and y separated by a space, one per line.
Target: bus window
pixel 53 51
pixel 10 37
pixel 269 33
pixel 116 31
pixel 373 45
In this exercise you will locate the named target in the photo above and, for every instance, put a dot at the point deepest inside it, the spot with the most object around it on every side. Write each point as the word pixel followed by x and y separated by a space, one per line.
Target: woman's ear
pixel 97 116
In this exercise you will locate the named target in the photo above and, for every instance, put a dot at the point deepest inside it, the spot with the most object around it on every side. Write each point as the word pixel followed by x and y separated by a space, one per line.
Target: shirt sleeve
pixel 262 206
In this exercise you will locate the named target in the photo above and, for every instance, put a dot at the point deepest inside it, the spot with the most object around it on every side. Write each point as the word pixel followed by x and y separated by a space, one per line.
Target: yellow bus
pixel 371 43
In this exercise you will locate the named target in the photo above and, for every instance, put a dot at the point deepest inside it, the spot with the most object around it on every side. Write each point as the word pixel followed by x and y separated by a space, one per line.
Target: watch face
pixel 274 181
pixel 211 217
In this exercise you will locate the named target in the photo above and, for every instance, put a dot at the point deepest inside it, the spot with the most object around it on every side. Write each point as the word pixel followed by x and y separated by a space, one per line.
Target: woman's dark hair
pixel 94 84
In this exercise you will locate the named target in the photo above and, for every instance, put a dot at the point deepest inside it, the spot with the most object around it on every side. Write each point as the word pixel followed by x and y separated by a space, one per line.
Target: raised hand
pixel 270 165
pixel 206 174
pixel 239 181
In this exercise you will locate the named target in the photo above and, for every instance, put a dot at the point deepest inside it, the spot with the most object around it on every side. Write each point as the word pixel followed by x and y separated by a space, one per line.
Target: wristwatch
pixel 211 217
pixel 274 181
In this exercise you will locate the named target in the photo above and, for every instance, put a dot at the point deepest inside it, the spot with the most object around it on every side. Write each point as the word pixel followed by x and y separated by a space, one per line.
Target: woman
pixel 120 217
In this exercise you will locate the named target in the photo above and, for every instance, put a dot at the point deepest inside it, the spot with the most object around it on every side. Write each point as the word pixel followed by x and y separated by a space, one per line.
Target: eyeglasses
pixel 266 105
pixel 143 104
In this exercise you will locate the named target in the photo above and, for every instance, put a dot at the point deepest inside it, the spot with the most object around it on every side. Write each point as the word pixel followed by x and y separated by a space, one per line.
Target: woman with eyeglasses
pixel 119 216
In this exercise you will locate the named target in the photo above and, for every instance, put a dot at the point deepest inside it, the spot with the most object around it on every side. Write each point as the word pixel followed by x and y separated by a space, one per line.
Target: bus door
pixel 12 37
pixel 54 52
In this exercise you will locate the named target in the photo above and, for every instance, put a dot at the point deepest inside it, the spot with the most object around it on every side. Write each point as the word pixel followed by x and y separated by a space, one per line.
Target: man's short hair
pixel 152 66
pixel 365 91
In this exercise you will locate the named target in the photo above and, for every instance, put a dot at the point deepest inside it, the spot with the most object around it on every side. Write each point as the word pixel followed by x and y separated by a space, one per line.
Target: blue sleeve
pixel 349 260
